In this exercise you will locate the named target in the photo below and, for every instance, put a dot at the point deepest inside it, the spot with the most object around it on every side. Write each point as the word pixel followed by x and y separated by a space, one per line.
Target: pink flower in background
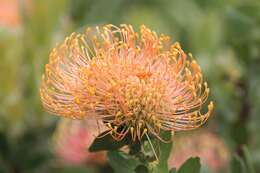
pixel 72 140
pixel 9 13
pixel 206 145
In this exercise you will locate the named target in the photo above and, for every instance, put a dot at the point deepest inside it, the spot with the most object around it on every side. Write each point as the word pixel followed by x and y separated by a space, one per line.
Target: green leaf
pixel 248 160
pixel 237 165
pixel 192 165
pixel 165 150
pixel 122 162
pixel 107 143
pixel 141 169
pixel 242 164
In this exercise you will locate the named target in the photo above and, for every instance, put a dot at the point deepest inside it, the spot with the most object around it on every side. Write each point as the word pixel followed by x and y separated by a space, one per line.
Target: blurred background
pixel 223 35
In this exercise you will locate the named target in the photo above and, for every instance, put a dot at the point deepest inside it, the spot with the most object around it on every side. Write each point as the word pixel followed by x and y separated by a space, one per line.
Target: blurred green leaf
pixel 165 150
pixel 121 162
pixel 192 165
pixel 248 160
pixel 141 169
pixel 237 165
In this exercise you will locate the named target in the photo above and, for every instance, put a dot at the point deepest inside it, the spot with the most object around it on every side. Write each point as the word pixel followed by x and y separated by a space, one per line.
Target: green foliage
pixel 248 160
pixel 165 150
pixel 107 143
pixel 237 165
pixel 242 164
pixel 141 169
pixel 137 158
pixel 192 165
pixel 121 162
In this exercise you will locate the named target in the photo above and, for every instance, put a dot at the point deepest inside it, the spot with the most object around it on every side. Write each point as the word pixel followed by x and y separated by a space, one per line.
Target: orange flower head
pixel 133 82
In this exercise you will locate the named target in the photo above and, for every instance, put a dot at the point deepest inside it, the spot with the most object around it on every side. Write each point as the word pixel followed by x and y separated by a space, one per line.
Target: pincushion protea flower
pixel 134 83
